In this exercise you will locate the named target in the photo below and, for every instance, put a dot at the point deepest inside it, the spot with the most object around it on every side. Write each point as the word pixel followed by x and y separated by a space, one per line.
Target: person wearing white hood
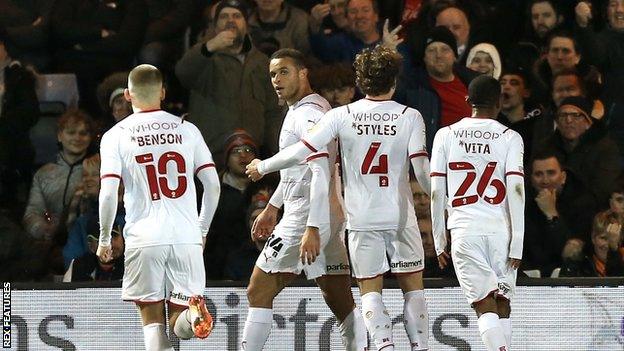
pixel 484 58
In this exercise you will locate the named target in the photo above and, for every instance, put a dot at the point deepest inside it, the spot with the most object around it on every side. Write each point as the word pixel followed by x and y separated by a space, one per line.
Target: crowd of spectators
pixel 560 65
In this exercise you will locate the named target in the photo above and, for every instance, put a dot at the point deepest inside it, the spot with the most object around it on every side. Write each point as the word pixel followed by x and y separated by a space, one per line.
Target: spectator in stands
pixel 229 229
pixel 605 49
pixel 19 111
pixel 274 25
pixel 26 25
pixel 335 82
pixel 543 17
pixel 362 32
pixel 84 208
pixel 167 22
pixel 94 39
pixel 518 111
pixel 422 201
pixel 439 89
pixel 329 17
pixel 603 259
pixel 558 207
pixel 562 54
pixel 456 20
pixel 616 201
pixel 111 99
pixel 229 82
pixel 88 266
pixel 54 185
pixel 585 147
pixel 484 58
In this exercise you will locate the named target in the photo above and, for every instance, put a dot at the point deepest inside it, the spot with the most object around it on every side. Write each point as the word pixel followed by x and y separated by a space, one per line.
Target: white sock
pixel 491 332
pixel 155 338
pixel 506 325
pixel 353 332
pixel 182 327
pixel 377 321
pixel 416 319
pixel 257 328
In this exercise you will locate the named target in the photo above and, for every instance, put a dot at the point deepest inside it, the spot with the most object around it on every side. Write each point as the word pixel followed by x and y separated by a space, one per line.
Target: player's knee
pixel 503 306
pixel 258 296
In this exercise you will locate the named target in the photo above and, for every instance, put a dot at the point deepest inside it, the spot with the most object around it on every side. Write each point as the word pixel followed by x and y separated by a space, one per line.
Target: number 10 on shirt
pixel 158 184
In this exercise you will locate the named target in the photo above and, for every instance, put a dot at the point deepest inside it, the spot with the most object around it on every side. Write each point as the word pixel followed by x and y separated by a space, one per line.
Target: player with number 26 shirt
pixel 477 176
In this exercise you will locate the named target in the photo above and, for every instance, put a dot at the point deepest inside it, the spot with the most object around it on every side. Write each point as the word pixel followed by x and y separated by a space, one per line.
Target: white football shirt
pixel 475 155
pixel 296 180
pixel 156 155
pixel 376 141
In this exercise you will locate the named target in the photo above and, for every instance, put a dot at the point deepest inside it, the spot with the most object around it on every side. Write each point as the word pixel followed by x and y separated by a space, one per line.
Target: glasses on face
pixel 239 150
pixel 575 116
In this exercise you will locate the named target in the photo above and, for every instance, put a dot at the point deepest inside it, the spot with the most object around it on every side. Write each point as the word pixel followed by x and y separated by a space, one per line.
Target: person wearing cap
pixel 585 147
pixel 229 84
pixel 438 88
pixel 228 230
pixel 477 173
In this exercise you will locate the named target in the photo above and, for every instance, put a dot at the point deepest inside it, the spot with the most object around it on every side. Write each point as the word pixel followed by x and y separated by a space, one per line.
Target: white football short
pixel 281 253
pixel 481 266
pixel 164 272
pixel 370 251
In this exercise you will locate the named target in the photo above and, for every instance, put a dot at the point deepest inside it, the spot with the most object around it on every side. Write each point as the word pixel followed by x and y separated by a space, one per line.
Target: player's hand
pixel 390 39
pixel 583 13
pixel 443 259
pixel 514 263
pixel 104 253
pixel 263 224
pixel 310 245
pixel 252 170
pixel 546 200
pixel 221 41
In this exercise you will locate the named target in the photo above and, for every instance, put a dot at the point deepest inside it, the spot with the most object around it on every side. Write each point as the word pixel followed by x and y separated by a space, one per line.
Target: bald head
pixel 145 86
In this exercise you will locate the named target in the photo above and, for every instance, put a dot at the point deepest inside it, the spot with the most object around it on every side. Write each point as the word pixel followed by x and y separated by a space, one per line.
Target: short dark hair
pixel 484 91
pixel 552 3
pixel 334 76
pixel 570 72
pixel 544 153
pixel 296 56
pixel 376 70
pixel 562 33
pixel 374 2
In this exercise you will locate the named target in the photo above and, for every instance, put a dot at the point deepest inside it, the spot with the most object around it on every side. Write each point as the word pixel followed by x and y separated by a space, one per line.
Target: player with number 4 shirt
pixel 378 138
pixel 477 176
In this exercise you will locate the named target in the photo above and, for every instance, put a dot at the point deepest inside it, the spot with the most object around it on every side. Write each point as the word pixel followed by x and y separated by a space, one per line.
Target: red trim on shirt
pixel 204 166
pixel 514 173
pixel 308 145
pixel 437 174
pixel 419 154
pixel 324 154
pixel 154 110
pixel 110 175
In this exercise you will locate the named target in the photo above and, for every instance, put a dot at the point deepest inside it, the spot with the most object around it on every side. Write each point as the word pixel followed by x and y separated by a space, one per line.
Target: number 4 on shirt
pixel 380 168
pixel 158 185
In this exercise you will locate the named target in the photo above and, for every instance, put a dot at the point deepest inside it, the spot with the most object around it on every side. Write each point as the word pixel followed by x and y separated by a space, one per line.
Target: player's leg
pixel 336 288
pixel 143 283
pixel 504 313
pixel 479 284
pixel 262 290
pixel 186 281
pixel 369 263
pixel 154 329
pixel 407 259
